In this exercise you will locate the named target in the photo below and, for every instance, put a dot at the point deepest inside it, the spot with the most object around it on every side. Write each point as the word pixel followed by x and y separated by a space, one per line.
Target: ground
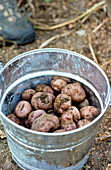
pixel 90 37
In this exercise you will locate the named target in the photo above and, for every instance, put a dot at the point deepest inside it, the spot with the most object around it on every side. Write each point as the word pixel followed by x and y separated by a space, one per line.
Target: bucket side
pixel 67 158
pixel 52 152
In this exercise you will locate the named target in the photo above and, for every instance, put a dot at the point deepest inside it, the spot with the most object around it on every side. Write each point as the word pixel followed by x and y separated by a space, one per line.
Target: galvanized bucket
pixel 33 150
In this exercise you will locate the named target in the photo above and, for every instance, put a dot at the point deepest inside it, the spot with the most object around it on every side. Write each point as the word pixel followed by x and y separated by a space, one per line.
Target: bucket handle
pixel 1 68
pixel 110 98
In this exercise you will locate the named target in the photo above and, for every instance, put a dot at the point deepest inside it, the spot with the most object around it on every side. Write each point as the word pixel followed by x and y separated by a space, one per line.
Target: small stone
pixel 80 32
pixel 71 26
pixel 2 134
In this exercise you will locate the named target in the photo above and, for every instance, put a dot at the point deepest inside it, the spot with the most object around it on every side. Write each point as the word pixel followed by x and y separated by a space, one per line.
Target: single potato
pixel 58 84
pixel 84 103
pixel 66 118
pixel 68 80
pixel 14 118
pixel 82 123
pixel 23 109
pixel 75 112
pixel 39 87
pixel 89 112
pixel 28 93
pixel 59 130
pixel 75 91
pixel 69 127
pixel 44 88
pixel 62 102
pixel 42 100
pixel 34 115
pixel 46 123
pixel 25 123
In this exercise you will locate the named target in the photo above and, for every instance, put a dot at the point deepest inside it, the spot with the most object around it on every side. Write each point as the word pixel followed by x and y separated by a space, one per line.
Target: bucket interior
pixel 13 93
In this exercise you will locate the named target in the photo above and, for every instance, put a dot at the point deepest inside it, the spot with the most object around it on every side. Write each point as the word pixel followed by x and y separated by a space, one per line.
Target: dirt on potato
pixel 75 36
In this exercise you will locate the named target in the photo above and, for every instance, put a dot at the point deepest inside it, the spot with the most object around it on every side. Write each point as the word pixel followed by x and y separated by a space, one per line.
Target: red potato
pixel 51 111
pixel 34 115
pixel 61 77
pixel 25 123
pixel 69 127
pixel 44 88
pixel 82 123
pixel 42 100
pixel 66 118
pixel 40 87
pixel 48 89
pixel 59 130
pixel 46 123
pixel 14 118
pixel 75 112
pixel 58 84
pixel 84 103
pixel 89 112
pixel 28 93
pixel 62 102
pixel 23 109
pixel 75 91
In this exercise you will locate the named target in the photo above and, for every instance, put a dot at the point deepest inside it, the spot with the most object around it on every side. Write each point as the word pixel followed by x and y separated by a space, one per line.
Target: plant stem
pixel 72 20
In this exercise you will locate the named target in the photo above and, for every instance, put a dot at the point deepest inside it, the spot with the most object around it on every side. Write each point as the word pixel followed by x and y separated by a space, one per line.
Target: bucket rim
pixel 61 51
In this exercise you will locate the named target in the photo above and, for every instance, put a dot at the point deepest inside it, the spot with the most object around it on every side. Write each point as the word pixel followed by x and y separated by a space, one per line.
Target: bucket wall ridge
pixel 49 142
pixel 51 148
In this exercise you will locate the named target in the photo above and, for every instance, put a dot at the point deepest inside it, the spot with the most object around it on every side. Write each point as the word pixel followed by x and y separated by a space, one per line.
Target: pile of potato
pixel 60 107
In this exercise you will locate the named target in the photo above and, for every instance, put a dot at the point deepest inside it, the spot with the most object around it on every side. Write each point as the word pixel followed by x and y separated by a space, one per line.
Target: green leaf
pixel 84 167
pixel 101 130
pixel 47 0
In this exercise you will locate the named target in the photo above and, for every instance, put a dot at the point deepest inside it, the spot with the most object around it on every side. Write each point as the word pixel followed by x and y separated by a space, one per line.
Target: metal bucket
pixel 33 150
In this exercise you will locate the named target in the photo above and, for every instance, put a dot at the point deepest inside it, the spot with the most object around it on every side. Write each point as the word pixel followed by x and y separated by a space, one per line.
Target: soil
pixel 50 13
